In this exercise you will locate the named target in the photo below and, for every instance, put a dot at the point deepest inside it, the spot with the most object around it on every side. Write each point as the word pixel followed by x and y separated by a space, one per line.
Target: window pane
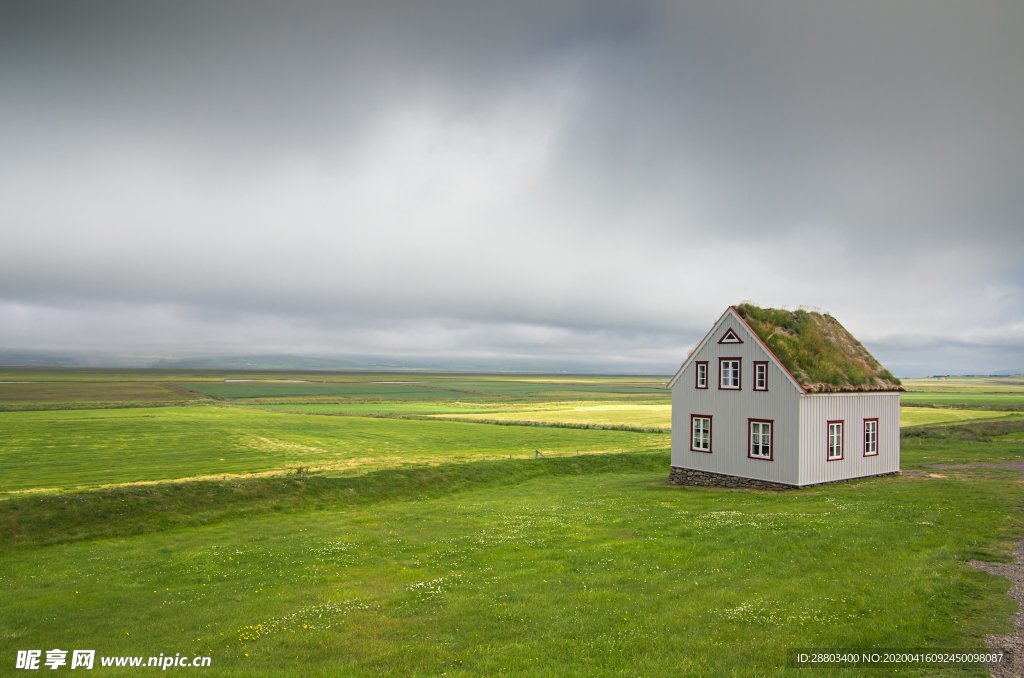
pixel 835 440
pixel 760 439
pixel 871 437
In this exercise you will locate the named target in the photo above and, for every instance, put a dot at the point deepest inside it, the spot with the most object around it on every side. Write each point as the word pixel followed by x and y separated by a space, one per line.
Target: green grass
pixel 355 390
pixel 971 443
pixel 535 567
pixel 418 387
pixel 993 401
pixel 420 548
pixel 923 416
pixel 380 408
pixel 87 448
pixel 567 388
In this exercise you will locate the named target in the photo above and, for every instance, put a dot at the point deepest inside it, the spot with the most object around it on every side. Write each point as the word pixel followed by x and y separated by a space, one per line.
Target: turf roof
pixel 818 351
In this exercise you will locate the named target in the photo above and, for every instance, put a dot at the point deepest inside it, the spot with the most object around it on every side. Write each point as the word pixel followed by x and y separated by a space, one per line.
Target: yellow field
pixel 602 414
pixel 660 416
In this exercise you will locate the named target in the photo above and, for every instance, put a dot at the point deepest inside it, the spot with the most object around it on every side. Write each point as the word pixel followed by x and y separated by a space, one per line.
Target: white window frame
pixel 760 375
pixel 722 362
pixel 760 438
pixel 834 451
pixel 871 437
pixel 699 434
pixel 701 380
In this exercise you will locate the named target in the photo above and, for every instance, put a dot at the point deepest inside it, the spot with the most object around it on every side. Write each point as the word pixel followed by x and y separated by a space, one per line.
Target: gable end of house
pixel 725 330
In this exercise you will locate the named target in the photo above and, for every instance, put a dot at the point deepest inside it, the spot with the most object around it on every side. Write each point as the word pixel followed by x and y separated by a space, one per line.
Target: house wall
pixel 730 411
pixel 815 412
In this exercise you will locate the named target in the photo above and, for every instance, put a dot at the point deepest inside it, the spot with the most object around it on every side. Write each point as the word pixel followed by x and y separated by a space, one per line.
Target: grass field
pixel 85 392
pixel 1008 385
pixel 639 415
pixel 530 566
pixel 86 448
pixel 420 548
pixel 656 416
pixel 924 416
pixel 996 393
pixel 437 387
pixel 992 401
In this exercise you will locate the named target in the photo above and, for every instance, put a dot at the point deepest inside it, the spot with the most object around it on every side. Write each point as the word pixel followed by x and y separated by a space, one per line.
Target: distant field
pixel 85 392
pixel 994 401
pixel 660 416
pixel 924 416
pixel 378 408
pixel 432 387
pixel 347 390
pixel 996 393
pixel 640 415
pixel 967 384
pixel 569 388
pixel 600 413
pixel 87 448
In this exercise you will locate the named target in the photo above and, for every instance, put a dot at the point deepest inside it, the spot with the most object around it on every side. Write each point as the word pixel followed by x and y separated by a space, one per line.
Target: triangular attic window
pixel 730 337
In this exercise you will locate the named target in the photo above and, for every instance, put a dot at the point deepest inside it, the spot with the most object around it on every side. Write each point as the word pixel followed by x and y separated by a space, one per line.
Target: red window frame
pixel 771 438
pixel 696 375
pixel 759 363
pixel 710 433
pixel 842 439
pixel 739 374
pixel 868 420
pixel 725 337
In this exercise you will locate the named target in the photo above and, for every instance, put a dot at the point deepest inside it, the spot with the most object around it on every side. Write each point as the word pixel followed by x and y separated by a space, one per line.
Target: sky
pixel 578 184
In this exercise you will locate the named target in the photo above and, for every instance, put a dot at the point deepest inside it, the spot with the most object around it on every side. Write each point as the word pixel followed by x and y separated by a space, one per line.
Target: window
pixel 702 374
pixel 835 440
pixel 729 373
pixel 760 375
pixel 759 439
pixel 700 432
pixel 730 337
pixel 870 437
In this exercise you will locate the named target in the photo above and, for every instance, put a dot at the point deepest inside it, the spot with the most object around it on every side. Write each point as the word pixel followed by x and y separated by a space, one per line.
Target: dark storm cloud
pixel 506 178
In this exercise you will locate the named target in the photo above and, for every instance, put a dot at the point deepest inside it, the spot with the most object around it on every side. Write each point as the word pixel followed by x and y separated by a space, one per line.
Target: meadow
pixel 352 528
pixel 80 449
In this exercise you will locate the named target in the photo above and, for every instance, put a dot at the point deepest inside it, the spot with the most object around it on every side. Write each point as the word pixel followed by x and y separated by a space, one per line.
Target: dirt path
pixel 1012 645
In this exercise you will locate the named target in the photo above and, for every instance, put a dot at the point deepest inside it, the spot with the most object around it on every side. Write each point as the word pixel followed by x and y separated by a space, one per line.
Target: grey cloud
pixel 610 172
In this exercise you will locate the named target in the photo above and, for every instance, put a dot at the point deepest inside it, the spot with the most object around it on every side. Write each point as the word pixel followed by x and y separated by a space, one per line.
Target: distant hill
pixel 38 359
pixel 262 362
pixel 319 363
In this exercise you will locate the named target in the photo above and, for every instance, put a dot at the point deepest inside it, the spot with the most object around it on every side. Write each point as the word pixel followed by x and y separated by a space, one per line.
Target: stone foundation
pixel 689 476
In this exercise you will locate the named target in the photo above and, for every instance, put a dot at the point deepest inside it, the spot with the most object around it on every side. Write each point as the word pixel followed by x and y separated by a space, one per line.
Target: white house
pixel 773 398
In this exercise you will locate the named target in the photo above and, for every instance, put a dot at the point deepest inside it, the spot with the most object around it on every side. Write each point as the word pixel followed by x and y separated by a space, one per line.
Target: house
pixel 772 398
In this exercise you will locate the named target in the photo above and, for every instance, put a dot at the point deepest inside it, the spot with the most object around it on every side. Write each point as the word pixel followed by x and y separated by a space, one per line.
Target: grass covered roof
pixel 818 351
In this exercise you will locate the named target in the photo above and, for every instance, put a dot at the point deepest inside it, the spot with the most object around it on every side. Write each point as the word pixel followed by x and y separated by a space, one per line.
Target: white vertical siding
pixel 816 410
pixel 730 411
